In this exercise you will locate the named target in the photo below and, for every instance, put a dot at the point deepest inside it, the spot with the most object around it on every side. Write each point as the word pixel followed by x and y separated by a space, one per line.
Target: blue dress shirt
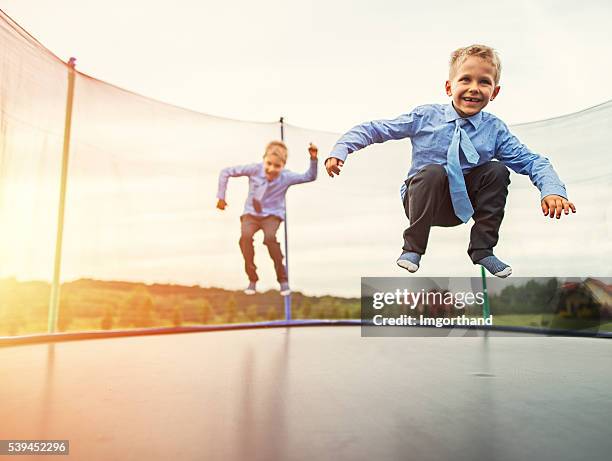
pixel 430 129
pixel 273 200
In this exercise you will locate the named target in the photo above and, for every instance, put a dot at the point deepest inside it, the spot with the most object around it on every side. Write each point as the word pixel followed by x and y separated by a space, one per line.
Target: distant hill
pixel 88 304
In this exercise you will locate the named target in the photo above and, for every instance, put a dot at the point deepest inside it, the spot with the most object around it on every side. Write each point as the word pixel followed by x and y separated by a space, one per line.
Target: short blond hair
pixel 278 149
pixel 487 53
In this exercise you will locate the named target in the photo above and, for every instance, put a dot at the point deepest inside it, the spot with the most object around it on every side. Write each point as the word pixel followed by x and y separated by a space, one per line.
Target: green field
pixel 549 321
pixel 87 305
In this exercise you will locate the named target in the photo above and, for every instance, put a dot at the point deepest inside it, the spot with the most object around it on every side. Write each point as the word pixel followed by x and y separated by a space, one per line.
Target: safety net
pixel 144 245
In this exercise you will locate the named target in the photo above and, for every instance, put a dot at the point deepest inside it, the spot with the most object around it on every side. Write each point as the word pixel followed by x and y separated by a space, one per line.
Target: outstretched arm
pixel 521 159
pixel 368 133
pixel 233 171
pixel 311 173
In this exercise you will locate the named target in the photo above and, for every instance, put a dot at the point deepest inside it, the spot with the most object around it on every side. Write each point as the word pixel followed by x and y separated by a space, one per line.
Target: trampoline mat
pixel 312 393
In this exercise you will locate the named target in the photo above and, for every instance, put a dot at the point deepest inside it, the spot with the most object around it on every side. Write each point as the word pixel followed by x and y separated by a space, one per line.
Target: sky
pixel 324 66
pixel 329 64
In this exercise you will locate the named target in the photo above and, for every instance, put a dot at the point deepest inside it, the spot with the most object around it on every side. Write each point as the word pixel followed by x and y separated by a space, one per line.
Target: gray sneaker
pixel 251 289
pixel 284 289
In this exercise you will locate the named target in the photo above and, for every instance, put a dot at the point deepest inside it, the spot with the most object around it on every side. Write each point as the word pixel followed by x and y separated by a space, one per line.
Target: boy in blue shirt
pixel 459 160
pixel 265 206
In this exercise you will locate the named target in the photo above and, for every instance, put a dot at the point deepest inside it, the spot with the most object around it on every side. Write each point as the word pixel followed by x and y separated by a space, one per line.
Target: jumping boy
pixel 459 160
pixel 265 206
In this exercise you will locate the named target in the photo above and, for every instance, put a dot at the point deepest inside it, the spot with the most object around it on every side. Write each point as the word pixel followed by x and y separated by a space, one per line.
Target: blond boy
pixel 264 207
pixel 460 161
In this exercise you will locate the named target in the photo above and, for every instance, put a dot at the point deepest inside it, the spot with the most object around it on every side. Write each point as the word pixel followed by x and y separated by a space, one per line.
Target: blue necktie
pixel 456 182
pixel 258 193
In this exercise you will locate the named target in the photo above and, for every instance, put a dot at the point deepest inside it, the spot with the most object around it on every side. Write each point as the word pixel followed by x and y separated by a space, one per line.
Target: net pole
pixel 287 299
pixel 486 310
pixel 55 286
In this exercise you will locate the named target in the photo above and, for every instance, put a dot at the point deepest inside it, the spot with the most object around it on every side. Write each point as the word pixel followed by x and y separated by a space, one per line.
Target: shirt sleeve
pixel 522 160
pixel 233 171
pixel 374 132
pixel 308 176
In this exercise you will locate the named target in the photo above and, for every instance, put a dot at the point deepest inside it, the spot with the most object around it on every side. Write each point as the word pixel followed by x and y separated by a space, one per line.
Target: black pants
pixel 269 224
pixel 427 203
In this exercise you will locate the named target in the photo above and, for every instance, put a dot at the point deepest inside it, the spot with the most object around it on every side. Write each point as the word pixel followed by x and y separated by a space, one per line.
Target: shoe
pixel 409 261
pixel 495 266
pixel 284 289
pixel 251 289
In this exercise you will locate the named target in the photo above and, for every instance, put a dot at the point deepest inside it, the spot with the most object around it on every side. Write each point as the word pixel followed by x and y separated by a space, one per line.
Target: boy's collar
pixel 451 115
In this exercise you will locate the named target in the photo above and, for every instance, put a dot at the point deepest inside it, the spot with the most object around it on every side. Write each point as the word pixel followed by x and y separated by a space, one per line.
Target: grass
pixel 550 321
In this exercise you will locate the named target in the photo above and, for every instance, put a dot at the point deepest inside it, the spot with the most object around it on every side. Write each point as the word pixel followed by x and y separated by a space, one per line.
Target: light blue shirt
pixel 273 200
pixel 430 129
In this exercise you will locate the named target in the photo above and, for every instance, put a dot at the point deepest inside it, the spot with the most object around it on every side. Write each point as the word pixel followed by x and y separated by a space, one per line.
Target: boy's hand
pixel 553 205
pixel 221 204
pixel 313 151
pixel 333 165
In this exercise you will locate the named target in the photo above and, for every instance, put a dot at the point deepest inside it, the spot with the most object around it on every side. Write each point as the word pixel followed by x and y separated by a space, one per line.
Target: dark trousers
pixel 269 224
pixel 427 203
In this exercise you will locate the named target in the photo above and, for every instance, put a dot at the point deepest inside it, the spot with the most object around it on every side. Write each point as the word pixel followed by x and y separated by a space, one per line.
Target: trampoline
pixel 313 392
pixel 142 246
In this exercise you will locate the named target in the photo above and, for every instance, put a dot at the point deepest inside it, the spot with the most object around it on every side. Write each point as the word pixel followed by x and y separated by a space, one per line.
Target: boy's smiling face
pixel 273 165
pixel 472 86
